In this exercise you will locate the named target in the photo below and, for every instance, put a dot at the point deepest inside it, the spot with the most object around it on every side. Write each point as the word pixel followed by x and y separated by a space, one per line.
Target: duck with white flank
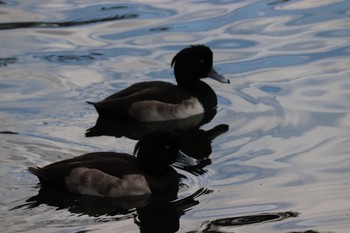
pixel 161 101
pixel 110 174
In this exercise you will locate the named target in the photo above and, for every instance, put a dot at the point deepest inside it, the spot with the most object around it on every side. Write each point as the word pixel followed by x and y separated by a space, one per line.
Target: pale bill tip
pixel 218 77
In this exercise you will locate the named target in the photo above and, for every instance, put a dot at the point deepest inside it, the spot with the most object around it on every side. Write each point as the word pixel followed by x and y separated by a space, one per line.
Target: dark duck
pixel 161 101
pixel 110 174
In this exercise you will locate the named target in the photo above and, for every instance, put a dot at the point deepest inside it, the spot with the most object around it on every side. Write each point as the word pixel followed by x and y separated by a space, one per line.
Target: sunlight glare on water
pixel 282 166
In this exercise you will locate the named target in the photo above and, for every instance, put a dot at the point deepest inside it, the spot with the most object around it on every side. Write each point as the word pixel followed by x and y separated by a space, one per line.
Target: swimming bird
pixel 110 174
pixel 161 101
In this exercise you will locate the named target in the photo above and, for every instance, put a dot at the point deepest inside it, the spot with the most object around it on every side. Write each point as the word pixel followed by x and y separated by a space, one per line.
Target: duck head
pixel 156 151
pixel 194 63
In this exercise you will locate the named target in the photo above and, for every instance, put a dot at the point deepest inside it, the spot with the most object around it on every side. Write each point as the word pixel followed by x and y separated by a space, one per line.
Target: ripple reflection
pixel 226 224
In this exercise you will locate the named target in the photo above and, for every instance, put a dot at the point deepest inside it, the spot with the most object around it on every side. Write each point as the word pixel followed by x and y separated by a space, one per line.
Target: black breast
pixel 168 182
pixel 205 95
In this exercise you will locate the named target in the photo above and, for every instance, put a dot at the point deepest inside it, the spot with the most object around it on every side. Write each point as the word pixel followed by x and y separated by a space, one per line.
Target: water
pixel 282 166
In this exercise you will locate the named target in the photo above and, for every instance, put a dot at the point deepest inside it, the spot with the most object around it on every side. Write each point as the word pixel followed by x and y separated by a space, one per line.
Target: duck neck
pixel 185 80
pixel 187 85
pixel 202 92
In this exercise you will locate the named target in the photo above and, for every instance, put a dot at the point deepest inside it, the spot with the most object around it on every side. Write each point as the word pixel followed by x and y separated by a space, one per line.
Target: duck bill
pixel 218 77
pixel 186 160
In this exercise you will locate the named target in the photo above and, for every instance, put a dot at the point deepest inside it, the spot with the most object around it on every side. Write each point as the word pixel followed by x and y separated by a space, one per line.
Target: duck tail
pixel 34 171
pixel 37 171
pixel 90 102
pixel 99 111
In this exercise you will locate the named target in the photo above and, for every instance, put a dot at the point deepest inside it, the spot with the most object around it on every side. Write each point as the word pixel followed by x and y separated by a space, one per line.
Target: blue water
pixel 283 164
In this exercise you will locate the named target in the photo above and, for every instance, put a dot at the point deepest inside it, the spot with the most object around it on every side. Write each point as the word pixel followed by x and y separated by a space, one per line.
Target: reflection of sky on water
pixel 287 107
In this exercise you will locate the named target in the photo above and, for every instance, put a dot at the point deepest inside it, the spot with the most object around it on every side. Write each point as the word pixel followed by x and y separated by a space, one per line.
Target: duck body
pixel 111 174
pixel 159 101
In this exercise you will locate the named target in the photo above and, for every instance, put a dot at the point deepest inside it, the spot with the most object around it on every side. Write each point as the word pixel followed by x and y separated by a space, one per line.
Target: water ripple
pixel 226 224
pixel 282 166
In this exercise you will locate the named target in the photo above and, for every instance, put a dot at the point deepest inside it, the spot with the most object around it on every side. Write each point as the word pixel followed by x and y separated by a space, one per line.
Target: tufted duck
pixel 110 174
pixel 160 101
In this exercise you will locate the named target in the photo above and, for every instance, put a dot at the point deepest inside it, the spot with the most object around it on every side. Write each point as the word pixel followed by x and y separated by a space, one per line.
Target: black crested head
pixel 156 151
pixel 192 63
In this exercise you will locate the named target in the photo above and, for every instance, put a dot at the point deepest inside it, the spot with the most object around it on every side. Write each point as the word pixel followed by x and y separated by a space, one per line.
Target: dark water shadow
pixel 193 141
pixel 278 2
pixel 81 16
pixel 8 61
pixel 8 132
pixel 227 224
pixel 17 25
pixel 311 231
pixel 90 14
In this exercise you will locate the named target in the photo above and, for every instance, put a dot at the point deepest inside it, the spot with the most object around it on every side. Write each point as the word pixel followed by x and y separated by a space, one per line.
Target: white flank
pixel 93 182
pixel 152 110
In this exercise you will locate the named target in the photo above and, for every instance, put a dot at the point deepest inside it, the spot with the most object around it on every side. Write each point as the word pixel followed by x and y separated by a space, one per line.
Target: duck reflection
pixel 162 216
pixel 154 213
pixel 193 141
pixel 88 205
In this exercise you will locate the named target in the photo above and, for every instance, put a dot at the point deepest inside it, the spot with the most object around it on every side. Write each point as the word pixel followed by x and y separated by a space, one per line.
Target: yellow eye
pixel 201 61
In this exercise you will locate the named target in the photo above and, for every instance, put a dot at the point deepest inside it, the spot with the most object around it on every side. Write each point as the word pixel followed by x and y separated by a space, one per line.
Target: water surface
pixel 282 166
